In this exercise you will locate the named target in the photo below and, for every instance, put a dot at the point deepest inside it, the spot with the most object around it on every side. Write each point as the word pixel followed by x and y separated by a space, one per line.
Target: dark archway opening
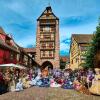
pixel 47 64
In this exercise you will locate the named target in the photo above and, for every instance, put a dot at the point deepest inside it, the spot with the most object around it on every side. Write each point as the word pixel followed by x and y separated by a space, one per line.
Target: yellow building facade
pixel 78 46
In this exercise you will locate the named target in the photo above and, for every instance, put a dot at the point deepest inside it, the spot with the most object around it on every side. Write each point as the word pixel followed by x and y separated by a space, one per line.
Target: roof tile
pixel 82 38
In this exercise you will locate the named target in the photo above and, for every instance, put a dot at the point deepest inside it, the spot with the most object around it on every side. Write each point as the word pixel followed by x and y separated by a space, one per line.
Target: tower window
pixel 47 36
pixel 46 29
pixel 43 53
pixel 50 45
pixel 50 53
pixel 43 45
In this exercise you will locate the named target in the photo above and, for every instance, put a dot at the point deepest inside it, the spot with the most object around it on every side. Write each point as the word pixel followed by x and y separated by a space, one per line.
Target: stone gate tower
pixel 47 39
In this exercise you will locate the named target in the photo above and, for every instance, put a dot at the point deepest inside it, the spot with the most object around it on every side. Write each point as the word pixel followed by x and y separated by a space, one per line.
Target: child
pixel 80 88
pixel 53 83
pixel 19 86
pixel 95 88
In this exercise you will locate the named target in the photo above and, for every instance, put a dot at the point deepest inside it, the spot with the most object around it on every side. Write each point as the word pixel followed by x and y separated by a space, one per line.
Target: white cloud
pixel 64 33
pixel 17 11
pixel 64 47
pixel 25 41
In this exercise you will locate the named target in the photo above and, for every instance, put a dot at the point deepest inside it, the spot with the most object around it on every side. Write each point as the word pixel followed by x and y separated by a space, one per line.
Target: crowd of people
pixel 84 81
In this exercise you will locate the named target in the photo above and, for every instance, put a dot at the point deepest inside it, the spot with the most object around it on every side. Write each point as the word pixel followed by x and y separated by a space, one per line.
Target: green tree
pixel 93 49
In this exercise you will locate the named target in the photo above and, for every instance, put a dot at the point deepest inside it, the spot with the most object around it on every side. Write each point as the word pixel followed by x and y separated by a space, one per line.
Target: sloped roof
pixel 46 13
pixel 2 31
pixel 4 45
pixel 32 50
pixel 64 58
pixel 82 38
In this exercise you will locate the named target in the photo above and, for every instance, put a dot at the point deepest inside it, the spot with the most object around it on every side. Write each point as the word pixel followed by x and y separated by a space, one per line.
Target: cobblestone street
pixel 37 93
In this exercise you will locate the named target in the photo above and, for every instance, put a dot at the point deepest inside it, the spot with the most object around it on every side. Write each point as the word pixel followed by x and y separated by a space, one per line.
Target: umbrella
pixel 13 65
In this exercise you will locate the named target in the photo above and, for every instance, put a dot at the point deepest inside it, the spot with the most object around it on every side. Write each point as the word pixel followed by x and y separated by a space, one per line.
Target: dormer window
pixel 8 40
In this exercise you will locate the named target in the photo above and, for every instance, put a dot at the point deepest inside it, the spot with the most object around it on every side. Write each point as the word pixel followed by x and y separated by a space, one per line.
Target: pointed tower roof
pixel 48 14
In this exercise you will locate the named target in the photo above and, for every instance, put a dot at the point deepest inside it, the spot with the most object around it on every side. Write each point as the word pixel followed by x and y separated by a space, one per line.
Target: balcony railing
pixel 49 39
pixel 47 32
pixel 47 23
pixel 47 48
pixel 47 57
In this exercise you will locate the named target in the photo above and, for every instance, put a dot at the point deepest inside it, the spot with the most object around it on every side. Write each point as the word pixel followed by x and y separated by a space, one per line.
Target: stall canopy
pixel 13 65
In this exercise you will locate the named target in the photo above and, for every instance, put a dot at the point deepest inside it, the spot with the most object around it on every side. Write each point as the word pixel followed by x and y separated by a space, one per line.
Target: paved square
pixel 37 93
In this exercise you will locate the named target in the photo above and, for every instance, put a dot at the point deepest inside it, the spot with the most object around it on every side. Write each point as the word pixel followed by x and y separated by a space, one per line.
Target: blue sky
pixel 18 17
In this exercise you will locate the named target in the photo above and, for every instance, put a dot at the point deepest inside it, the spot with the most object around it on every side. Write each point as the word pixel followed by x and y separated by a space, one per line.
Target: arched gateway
pixel 47 64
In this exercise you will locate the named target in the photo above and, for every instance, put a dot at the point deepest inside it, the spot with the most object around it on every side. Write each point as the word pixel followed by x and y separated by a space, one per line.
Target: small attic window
pixel 47 14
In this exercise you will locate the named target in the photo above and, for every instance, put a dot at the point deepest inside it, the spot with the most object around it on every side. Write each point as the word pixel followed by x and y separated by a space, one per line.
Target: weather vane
pixel 48 2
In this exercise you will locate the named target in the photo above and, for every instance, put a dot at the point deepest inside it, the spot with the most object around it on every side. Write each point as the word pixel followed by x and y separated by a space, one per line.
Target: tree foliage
pixel 93 49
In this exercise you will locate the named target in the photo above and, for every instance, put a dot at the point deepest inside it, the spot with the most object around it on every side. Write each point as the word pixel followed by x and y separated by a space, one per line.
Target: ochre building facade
pixel 78 47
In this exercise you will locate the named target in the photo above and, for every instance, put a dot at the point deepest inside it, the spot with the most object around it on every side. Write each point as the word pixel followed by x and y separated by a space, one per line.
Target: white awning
pixel 13 65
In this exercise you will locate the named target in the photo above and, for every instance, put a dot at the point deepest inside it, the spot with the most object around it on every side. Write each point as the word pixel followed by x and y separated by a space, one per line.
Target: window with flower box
pixel 47 45
pixel 51 45
pixel 47 36
pixel 43 45
pixel 50 53
pixel 47 54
